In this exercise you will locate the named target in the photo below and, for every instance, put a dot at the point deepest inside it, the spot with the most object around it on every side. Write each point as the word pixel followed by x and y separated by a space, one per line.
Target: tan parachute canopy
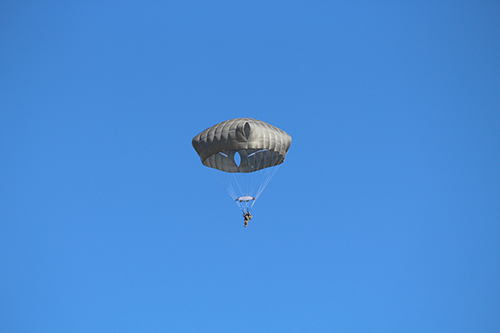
pixel 259 145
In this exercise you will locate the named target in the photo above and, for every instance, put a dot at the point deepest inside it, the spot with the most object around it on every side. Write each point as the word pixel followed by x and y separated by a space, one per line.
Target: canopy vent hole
pixel 247 130
pixel 237 159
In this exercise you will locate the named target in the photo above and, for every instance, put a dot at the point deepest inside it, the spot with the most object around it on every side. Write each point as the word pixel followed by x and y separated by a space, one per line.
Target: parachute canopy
pixel 242 145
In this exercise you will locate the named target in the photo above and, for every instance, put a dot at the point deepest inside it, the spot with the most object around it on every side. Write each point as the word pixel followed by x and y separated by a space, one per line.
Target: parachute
pixel 247 152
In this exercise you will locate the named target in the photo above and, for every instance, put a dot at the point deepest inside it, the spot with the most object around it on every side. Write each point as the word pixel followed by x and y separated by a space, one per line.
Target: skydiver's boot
pixel 246 222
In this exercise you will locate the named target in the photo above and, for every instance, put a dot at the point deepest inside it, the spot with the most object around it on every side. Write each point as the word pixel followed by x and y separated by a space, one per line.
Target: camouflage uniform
pixel 247 217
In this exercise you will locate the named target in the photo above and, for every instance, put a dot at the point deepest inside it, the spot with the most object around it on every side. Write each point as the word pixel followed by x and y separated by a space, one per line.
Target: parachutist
pixel 247 216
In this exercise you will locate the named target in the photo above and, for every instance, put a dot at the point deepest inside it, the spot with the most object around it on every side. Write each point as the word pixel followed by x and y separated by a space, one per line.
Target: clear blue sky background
pixel 383 218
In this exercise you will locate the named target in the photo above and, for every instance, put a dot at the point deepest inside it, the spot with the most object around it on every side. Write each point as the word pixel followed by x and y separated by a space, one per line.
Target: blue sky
pixel 383 218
